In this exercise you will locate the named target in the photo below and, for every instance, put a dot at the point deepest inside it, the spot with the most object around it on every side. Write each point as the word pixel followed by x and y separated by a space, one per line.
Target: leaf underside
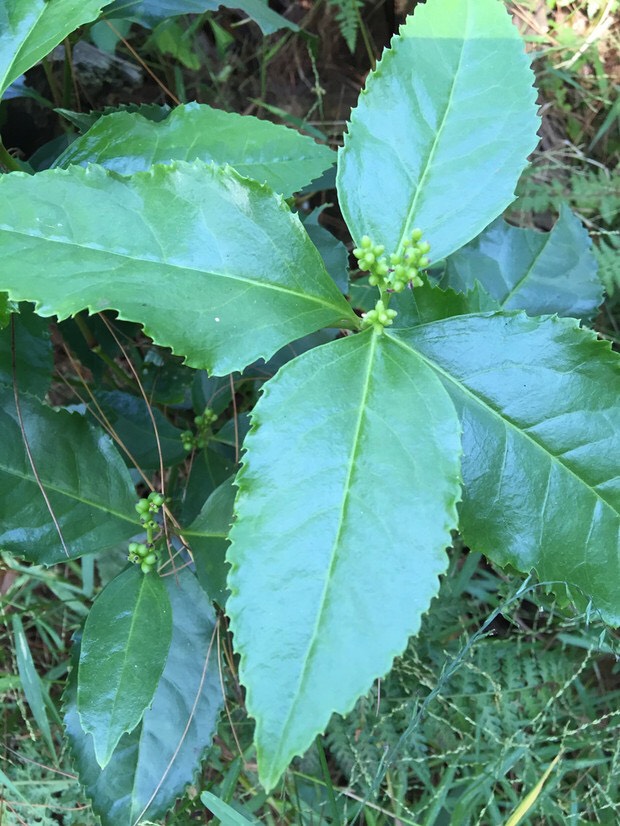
pixel 341 530
pixel 213 265
pixel 425 146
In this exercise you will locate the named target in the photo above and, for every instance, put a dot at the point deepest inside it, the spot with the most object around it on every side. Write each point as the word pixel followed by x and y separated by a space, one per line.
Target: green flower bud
pixel 150 559
pixel 142 506
pixel 424 247
pixel 132 547
pixel 416 234
pixel 146 569
pixel 366 243
pixel 423 262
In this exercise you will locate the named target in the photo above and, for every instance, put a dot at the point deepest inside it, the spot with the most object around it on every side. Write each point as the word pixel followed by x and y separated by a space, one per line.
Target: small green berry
pixel 423 262
pixel 416 234
pixel 132 547
pixel 150 559
pixel 142 506
pixel 424 247
pixel 146 569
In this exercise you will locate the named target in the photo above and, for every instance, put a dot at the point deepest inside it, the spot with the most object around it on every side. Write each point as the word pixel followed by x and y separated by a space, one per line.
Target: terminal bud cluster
pixel 379 318
pixel 403 267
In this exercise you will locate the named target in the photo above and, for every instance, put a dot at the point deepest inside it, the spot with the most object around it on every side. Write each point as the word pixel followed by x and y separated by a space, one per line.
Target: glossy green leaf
pixel 539 404
pixel 30 339
pixel 30 29
pixel 124 649
pixel 213 265
pixel 539 272
pixel 209 469
pixel 84 120
pixel 430 302
pixel 88 488
pixel 132 423
pixel 208 539
pixel 151 766
pixel 333 252
pixel 127 142
pixel 346 499
pixel 150 12
pixel 426 145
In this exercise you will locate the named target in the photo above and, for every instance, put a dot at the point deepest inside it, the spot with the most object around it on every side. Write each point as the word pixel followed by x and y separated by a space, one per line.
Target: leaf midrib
pixel 343 507
pixel 3 84
pixel 499 415
pixel 56 489
pixel 134 618
pixel 518 285
pixel 433 148
pixel 183 268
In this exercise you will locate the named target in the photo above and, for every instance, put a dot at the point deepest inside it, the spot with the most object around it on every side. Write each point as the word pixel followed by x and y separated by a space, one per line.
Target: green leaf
pixel 127 142
pixel 30 29
pixel 150 12
pixel 152 765
pixel 6 309
pixel 346 500
pixel 208 538
pixel 430 302
pixel 426 146
pixel 84 120
pixel 132 423
pixel 333 252
pixel 227 815
pixel 31 683
pixel 209 469
pixel 539 272
pixel 33 353
pixel 124 649
pixel 538 400
pixel 213 265
pixel 88 488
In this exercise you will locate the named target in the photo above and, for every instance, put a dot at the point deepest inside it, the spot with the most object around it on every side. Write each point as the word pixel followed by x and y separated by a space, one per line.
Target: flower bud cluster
pixel 379 318
pixel 144 553
pixel 203 424
pixel 403 268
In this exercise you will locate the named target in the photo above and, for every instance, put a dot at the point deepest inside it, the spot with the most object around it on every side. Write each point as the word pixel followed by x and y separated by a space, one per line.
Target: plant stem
pixel 7 160
pixel 95 347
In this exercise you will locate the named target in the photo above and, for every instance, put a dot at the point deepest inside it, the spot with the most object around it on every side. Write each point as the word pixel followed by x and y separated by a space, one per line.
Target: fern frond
pixel 348 19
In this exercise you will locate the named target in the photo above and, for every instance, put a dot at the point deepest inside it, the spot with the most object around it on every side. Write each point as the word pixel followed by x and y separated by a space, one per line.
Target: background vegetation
pixel 505 678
